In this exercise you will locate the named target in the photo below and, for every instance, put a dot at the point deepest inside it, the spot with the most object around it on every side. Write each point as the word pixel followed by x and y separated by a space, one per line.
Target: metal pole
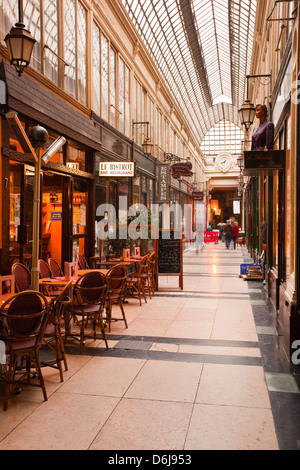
pixel 20 6
pixel 36 223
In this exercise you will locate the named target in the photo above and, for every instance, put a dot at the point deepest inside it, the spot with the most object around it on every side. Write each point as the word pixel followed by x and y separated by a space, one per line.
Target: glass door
pixel 52 217
pixel 20 213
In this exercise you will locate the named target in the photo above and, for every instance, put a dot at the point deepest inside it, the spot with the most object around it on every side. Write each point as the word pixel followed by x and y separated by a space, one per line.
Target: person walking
pixel 228 233
pixel 220 228
pixel 235 233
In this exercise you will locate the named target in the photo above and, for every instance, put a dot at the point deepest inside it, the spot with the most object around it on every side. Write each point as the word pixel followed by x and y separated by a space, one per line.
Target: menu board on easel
pixel 170 255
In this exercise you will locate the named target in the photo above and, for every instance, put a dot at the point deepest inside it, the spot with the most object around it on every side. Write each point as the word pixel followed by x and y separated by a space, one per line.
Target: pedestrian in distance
pixel 228 234
pixel 235 233
pixel 220 228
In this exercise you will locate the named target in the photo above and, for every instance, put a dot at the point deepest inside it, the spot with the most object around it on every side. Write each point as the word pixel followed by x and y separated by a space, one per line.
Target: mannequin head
pixel 261 112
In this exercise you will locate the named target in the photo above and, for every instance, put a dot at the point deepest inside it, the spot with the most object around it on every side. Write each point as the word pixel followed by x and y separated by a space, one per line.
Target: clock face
pixel 224 163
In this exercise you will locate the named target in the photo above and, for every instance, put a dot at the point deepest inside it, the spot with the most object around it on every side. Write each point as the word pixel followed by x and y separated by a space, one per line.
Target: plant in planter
pixel 138 230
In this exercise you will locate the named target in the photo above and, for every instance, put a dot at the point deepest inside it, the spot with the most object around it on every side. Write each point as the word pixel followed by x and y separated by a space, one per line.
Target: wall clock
pixel 224 163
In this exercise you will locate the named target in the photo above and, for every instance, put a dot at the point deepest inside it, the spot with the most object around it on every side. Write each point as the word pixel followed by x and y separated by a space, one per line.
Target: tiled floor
pixel 191 372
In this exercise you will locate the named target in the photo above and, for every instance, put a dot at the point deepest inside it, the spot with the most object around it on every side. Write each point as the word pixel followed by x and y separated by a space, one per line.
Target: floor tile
pixel 280 382
pixel 65 422
pixel 106 376
pixel 145 425
pixel 215 427
pixel 233 385
pixel 168 381
pixel 267 330
pixel 206 350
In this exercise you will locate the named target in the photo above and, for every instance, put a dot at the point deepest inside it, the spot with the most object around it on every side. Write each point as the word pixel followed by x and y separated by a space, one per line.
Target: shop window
pixel 75 49
pixel 104 77
pixel 79 221
pixel 112 81
pixel 76 158
pixel 136 190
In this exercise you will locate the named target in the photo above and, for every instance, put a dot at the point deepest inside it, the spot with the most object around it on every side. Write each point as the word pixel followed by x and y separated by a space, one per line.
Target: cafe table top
pixel 114 261
pixel 62 281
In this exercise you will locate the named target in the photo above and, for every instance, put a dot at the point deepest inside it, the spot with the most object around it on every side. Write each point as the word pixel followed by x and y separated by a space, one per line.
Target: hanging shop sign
pixel 125 169
pixel 269 162
pixel 198 195
pixel 182 169
pixel 163 183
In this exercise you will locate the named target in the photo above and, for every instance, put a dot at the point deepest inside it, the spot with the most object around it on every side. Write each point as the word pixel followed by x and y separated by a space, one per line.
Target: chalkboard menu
pixel 169 256
pixel 169 251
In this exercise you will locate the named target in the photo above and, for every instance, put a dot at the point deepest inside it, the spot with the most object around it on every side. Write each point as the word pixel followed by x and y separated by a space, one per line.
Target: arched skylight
pixel 223 137
pixel 203 50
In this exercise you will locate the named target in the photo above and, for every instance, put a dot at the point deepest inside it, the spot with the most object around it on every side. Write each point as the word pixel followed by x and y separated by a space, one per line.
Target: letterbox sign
pixel 269 162
pixel 125 169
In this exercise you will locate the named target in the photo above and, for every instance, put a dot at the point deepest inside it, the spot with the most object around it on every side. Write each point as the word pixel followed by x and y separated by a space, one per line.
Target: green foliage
pixel 116 245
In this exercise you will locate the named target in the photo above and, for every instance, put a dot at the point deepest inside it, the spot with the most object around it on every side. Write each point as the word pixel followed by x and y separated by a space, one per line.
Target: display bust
pixel 263 134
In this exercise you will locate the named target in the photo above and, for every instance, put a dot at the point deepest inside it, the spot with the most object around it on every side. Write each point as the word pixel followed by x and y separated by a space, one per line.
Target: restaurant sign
pixel 182 169
pixel 163 183
pixel 125 169
pixel 198 195
pixel 269 162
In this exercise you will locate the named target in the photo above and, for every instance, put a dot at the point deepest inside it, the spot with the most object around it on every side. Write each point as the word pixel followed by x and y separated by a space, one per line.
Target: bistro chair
pixel 23 320
pixel 82 262
pixel 45 272
pixel 136 280
pixel 44 269
pixel 152 260
pixel 55 268
pixel 53 331
pixel 146 276
pixel 22 277
pixel 89 295
pixel 116 281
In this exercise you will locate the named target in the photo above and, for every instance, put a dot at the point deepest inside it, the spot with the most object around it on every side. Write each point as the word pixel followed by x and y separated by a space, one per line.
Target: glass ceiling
pixel 203 51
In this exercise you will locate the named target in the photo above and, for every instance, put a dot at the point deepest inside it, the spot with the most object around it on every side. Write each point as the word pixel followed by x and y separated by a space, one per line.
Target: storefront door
pixel 20 213
pixel 52 211
pixel 64 218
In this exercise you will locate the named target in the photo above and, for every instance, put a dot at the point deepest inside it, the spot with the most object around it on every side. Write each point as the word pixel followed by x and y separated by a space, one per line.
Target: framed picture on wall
pixel 7 286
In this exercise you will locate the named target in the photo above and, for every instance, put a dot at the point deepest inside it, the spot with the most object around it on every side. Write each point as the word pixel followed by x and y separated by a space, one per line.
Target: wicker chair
pixel 136 280
pixel 23 320
pixel 45 272
pixel 89 296
pixel 152 272
pixel 116 281
pixel 82 262
pixel 44 269
pixel 55 268
pixel 22 277
pixel 53 331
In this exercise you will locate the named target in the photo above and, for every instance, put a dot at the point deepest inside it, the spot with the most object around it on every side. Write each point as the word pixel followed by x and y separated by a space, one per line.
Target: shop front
pixel 67 180
pixel 114 173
